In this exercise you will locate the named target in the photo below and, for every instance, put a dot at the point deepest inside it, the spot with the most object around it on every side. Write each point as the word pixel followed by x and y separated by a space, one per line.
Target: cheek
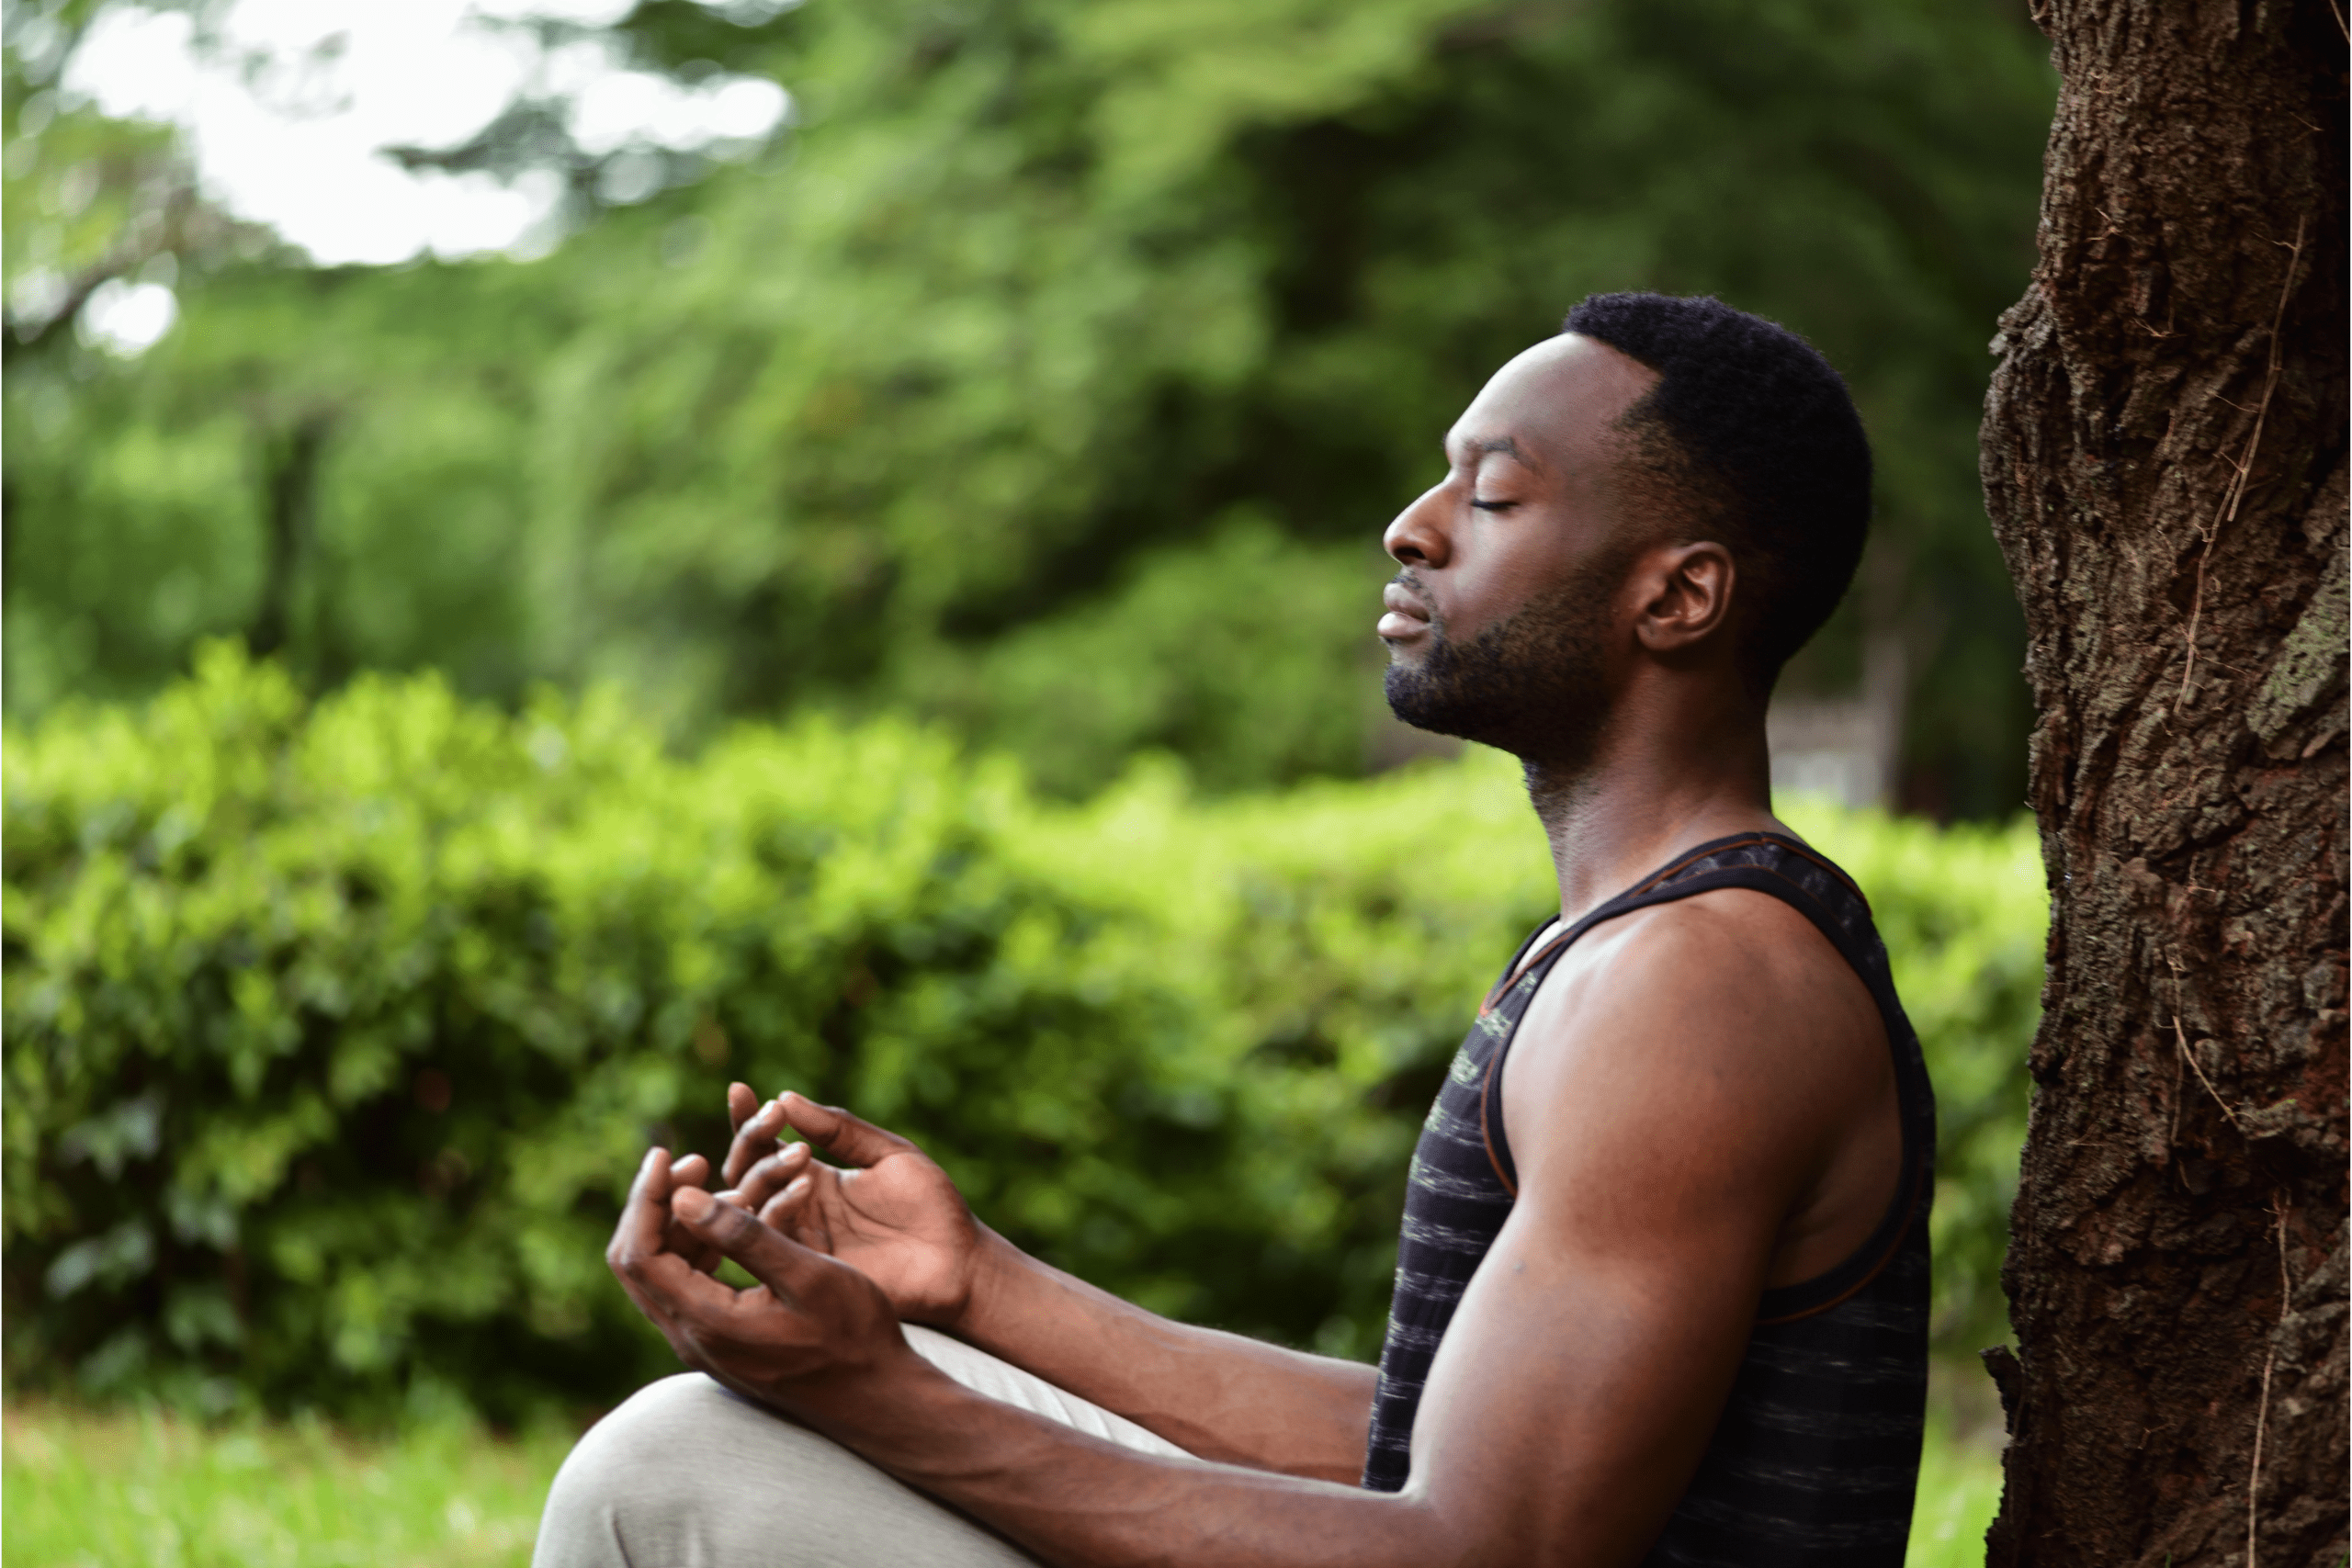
pixel 1514 561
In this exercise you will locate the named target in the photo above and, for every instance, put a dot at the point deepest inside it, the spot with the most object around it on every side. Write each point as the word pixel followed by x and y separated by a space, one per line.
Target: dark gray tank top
pixel 1815 1456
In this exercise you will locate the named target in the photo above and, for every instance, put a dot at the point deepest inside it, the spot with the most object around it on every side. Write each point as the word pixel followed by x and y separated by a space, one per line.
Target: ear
pixel 1686 593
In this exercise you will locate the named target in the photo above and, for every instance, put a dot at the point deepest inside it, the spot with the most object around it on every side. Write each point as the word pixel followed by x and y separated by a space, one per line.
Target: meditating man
pixel 1661 1292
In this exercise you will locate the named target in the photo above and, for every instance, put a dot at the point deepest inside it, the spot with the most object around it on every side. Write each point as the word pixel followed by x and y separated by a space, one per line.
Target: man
pixel 1661 1289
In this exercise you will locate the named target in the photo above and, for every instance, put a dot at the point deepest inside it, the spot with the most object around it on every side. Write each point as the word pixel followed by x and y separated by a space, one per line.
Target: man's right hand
pixel 886 1208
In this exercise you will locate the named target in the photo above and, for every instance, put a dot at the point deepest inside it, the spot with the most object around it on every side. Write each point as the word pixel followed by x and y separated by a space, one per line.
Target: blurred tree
pixel 1055 373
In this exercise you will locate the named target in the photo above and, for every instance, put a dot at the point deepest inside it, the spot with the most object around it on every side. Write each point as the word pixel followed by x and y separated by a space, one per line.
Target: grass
pixel 80 1489
pixel 83 1489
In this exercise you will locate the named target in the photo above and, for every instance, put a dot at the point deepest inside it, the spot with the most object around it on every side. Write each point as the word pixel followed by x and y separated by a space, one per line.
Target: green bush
pixel 334 1031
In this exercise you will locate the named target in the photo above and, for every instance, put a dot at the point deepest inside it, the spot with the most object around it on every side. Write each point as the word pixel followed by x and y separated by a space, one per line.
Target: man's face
pixel 1500 628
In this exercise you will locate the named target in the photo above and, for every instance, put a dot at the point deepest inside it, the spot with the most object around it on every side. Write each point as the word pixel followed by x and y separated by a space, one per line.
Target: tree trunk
pixel 290 495
pixel 2164 461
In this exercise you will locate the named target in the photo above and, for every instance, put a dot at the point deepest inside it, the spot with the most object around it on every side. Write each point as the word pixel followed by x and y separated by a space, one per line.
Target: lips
pixel 1407 618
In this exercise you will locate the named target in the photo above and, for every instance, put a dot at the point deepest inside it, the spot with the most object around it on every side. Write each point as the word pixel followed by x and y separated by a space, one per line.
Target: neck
pixel 1663 776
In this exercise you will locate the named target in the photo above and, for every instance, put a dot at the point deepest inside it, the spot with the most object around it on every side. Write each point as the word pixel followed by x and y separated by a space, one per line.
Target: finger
pixel 638 1236
pixel 740 1103
pixel 754 1141
pixel 838 1132
pixel 768 1178
pixel 692 1170
pixel 791 1211
pixel 783 1265
pixel 644 1212
pixel 700 1254
pixel 641 1258
pixel 778 1212
pixel 675 1294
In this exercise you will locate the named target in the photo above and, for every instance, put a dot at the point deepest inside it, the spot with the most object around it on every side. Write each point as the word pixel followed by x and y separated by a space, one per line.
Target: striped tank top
pixel 1816 1454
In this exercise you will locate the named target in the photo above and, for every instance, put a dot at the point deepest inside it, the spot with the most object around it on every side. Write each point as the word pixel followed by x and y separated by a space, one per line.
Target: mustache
pixel 1412 584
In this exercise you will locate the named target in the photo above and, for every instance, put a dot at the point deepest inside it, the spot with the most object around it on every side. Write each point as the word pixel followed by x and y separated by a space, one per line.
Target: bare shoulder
pixel 1732 935
pixel 1730 970
pixel 1725 1022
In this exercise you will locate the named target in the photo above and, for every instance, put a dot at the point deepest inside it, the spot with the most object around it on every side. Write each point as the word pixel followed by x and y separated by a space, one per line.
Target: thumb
pixel 839 1133
pixel 766 1253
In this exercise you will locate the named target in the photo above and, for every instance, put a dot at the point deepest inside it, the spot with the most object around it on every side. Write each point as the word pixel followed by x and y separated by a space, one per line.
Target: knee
pixel 686 1476
pixel 629 1491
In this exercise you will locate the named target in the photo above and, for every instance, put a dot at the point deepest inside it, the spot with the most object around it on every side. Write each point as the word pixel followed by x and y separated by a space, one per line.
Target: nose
pixel 1417 538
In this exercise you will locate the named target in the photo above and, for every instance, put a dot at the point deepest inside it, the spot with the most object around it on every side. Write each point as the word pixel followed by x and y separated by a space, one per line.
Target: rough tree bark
pixel 2163 461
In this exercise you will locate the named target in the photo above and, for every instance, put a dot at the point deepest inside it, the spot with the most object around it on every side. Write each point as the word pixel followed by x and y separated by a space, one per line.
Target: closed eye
pixel 1492 505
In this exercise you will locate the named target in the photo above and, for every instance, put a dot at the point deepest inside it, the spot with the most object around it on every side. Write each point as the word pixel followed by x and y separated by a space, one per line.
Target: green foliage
pixel 1049 316
pixel 334 1031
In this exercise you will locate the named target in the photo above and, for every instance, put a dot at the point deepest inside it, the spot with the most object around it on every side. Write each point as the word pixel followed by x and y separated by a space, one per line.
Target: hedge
pixel 333 1031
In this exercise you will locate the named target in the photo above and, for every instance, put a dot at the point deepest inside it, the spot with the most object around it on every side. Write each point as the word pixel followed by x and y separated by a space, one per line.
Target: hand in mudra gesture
pixel 885 1207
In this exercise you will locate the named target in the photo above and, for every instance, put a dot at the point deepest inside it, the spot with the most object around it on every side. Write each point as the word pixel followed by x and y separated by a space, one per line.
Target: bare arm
pixel 1680 1108
pixel 889 1210
pixel 1223 1396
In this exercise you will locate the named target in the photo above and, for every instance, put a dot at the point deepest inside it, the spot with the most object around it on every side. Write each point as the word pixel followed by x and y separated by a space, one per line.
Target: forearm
pixel 1071 1499
pixel 1222 1396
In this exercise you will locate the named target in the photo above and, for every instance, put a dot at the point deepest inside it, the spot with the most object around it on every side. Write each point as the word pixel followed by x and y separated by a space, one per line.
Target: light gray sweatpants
pixel 688 1475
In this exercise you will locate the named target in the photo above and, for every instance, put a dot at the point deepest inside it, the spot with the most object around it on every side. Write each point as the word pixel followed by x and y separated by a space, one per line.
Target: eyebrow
pixel 1504 445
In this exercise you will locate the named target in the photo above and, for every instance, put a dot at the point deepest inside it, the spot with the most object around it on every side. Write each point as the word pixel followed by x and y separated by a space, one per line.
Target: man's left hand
pixel 811 1327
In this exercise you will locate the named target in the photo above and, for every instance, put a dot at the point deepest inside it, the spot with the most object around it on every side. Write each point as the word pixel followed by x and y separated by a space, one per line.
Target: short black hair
pixel 1759 435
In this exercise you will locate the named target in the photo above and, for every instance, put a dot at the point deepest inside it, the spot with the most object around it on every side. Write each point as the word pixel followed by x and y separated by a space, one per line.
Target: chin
pixel 1554 719
pixel 1423 703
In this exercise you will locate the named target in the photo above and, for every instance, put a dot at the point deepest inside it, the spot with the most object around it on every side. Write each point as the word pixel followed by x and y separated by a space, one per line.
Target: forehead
pixel 1553 406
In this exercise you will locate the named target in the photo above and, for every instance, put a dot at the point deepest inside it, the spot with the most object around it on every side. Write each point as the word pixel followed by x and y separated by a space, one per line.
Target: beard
pixel 1534 685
